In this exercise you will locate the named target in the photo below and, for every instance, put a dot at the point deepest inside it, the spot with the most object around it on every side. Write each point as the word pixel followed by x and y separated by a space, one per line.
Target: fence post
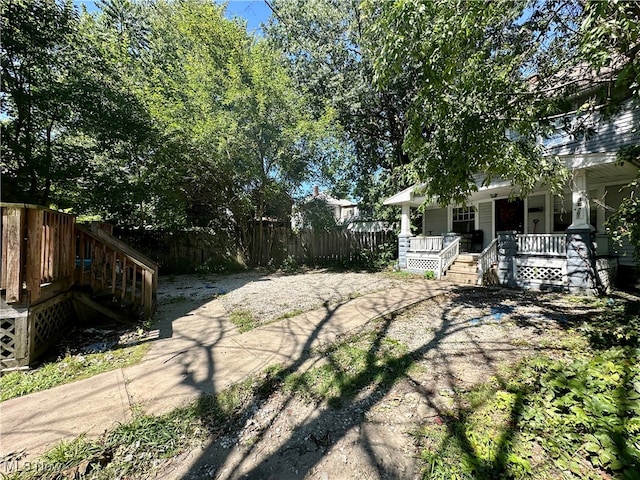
pixel 35 219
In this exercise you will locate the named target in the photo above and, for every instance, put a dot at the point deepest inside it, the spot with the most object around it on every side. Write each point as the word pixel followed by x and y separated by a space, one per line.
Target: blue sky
pixel 254 12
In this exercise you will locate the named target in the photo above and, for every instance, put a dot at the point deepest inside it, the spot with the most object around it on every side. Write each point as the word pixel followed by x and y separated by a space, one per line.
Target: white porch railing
pixel 487 258
pixel 433 261
pixel 448 256
pixel 554 244
pixel 425 244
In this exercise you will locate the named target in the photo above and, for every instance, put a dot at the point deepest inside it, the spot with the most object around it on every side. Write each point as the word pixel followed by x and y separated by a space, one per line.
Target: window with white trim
pixel 464 219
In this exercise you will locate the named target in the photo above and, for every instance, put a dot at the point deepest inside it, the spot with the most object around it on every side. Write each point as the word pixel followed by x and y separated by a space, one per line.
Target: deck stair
pixel 464 271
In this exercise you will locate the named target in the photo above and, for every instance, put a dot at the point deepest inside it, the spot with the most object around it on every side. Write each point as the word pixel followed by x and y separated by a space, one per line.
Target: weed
pixel 176 299
pixel 430 275
pixel 352 365
pixel 243 319
pixel 290 314
pixel 547 418
pixel 133 449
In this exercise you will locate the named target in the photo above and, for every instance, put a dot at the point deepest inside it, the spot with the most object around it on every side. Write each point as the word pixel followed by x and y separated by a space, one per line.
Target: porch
pixel 531 261
pixel 54 271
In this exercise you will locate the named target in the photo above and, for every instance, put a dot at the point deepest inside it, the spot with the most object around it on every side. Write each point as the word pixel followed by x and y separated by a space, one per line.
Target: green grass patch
pixel 352 365
pixel 243 319
pixel 577 417
pixel 291 314
pixel 68 369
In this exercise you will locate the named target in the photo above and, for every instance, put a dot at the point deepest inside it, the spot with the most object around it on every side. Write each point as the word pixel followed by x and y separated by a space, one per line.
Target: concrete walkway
pixel 204 354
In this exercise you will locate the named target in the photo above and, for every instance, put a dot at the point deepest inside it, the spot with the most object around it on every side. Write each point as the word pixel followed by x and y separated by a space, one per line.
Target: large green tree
pixel 329 57
pixel 492 78
pixel 63 102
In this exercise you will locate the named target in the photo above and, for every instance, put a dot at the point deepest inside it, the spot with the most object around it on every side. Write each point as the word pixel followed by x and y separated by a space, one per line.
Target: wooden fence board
pixel 34 253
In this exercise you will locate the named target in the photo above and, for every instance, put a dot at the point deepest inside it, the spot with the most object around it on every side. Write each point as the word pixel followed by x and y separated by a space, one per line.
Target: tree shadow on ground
pixel 357 391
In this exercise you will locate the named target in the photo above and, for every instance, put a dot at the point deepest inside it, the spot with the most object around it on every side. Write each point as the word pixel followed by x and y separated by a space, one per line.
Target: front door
pixel 509 215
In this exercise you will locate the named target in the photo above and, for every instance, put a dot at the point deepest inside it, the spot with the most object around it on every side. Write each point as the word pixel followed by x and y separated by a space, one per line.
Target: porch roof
pixel 601 168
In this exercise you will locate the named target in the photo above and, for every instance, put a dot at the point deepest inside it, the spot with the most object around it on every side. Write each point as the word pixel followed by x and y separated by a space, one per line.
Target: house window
pixel 464 219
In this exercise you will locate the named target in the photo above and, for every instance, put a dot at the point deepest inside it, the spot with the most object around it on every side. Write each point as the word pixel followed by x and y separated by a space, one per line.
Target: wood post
pixel 12 232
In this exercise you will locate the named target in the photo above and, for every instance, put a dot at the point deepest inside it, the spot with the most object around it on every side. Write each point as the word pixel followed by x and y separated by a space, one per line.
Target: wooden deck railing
pixel 37 249
pixel 108 264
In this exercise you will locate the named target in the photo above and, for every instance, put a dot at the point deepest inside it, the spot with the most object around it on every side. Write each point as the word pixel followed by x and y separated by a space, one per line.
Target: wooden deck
pixel 53 270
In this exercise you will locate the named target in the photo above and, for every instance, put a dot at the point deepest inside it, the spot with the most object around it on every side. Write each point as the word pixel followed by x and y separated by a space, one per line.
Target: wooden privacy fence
pixel 187 251
pixel 277 244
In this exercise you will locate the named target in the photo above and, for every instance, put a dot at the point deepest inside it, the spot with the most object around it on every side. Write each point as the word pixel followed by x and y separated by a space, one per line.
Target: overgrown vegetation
pixel 576 417
pixel 68 369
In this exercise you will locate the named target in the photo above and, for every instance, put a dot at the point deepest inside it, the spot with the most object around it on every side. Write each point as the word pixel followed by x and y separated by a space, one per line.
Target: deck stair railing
pixel 487 258
pixel 107 264
pixel 448 256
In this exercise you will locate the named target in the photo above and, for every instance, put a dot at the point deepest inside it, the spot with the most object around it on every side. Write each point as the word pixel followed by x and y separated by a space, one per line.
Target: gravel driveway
pixel 456 340
pixel 269 296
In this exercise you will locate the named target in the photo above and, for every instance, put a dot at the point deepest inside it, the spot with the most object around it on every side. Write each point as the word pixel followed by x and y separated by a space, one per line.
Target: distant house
pixel 541 241
pixel 342 211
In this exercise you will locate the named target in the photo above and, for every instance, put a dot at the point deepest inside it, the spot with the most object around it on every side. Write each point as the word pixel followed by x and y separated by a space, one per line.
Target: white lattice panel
pixel 422 264
pixel 544 274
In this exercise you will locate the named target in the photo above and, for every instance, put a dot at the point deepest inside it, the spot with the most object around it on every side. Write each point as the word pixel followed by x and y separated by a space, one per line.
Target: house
pixel 541 241
pixel 343 211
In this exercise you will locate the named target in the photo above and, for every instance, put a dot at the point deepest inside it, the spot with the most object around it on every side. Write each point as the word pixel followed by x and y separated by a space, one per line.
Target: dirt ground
pixel 455 341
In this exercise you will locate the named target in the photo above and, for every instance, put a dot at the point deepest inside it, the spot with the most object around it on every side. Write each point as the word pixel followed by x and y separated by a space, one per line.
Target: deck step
pixel 461 278
pixel 463 268
pixel 464 271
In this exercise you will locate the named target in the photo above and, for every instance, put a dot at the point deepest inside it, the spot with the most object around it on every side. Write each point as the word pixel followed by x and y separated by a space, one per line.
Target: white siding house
pixel 542 226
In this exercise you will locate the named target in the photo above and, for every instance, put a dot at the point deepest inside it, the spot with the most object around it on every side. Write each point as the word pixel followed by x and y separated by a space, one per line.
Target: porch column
pixel 507 249
pixel 405 235
pixel 581 254
pixel 580 201
pixel 581 262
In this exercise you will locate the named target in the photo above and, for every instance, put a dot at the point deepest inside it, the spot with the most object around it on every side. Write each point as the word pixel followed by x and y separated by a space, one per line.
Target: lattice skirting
pixel 8 341
pixel 49 322
pixel 421 264
pixel 24 339
pixel 541 274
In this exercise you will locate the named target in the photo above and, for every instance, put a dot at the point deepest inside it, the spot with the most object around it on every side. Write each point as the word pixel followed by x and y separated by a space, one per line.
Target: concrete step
pixel 465 258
